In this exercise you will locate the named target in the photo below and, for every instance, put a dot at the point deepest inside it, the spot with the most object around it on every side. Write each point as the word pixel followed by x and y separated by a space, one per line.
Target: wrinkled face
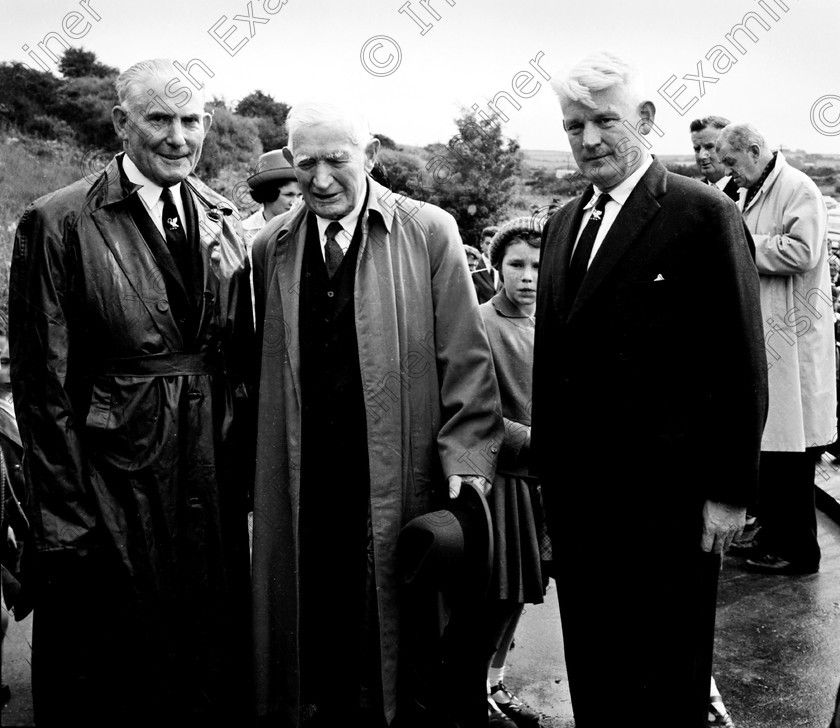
pixel 162 139
pixel 289 194
pixel 519 269
pixel 743 166
pixel 707 159
pixel 606 151
pixel 331 168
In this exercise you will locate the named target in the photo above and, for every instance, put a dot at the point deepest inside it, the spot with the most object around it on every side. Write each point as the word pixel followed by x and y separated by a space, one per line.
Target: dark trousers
pixel 98 660
pixel 787 510
pixel 637 595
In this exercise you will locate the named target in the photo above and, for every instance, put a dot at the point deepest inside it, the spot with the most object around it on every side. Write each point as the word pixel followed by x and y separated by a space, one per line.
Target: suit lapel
pixel 565 241
pixel 635 215
pixel 117 226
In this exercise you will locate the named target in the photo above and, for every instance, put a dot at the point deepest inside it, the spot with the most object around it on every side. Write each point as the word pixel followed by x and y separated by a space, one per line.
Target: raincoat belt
pixel 167 364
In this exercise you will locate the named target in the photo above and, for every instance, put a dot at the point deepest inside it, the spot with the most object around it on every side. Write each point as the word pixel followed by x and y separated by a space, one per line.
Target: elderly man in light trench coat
pixel 376 386
pixel 786 215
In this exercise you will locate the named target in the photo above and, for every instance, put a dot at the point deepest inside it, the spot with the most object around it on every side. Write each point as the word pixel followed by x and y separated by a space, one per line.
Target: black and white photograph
pixel 420 364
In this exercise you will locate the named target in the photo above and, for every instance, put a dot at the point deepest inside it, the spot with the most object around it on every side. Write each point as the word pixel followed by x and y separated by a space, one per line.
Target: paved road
pixel 777 647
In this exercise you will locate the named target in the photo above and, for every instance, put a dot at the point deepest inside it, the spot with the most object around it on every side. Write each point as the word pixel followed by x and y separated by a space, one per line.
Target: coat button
pixel 330 294
pixel 163 305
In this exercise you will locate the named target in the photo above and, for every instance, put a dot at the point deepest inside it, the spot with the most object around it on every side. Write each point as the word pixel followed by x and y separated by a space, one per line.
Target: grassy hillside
pixel 28 169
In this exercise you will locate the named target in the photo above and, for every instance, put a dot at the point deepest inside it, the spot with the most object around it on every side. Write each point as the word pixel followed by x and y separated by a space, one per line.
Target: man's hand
pixel 456 480
pixel 721 524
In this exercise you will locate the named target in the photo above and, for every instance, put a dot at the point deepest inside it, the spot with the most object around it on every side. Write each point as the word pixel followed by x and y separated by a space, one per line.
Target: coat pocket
pixel 99 413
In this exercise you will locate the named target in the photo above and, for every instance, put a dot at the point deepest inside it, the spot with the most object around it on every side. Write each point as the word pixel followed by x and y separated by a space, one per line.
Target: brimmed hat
pixel 510 230
pixel 450 550
pixel 271 167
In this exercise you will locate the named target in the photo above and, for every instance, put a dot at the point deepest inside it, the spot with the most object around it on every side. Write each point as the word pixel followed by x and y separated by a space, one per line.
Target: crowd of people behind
pixel 281 471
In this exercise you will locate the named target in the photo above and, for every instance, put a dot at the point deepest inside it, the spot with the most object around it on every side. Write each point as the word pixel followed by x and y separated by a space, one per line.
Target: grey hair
pixel 132 84
pixel 314 112
pixel 741 137
pixel 596 72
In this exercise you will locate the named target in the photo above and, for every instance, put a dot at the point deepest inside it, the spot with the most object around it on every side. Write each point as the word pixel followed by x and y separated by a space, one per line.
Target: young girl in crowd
pixel 521 542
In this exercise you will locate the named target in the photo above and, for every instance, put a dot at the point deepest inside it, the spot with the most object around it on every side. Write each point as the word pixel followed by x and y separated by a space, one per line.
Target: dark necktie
pixel 583 251
pixel 176 237
pixel 333 254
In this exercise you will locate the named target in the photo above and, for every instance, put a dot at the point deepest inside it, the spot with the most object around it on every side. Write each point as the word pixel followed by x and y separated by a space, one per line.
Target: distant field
pixel 553 159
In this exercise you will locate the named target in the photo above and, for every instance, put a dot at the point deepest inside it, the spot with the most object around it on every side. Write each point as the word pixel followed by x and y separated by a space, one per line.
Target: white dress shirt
pixel 722 182
pixel 150 193
pixel 619 196
pixel 348 223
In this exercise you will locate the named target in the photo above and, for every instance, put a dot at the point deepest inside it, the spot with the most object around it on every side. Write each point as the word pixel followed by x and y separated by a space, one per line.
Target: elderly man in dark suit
pixel 623 344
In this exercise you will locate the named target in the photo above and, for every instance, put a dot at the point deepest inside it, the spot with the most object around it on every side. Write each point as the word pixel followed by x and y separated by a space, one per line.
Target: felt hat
pixel 271 167
pixel 450 550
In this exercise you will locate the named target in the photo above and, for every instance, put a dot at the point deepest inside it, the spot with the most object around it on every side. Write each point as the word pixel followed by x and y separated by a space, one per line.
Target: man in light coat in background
pixel 786 215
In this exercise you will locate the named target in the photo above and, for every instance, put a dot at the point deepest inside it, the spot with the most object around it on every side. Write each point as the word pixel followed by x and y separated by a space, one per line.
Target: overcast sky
pixel 413 83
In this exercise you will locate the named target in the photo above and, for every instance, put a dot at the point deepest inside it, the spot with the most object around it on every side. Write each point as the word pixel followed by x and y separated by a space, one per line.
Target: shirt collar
pixel 622 191
pixel 348 222
pixel 722 182
pixel 149 191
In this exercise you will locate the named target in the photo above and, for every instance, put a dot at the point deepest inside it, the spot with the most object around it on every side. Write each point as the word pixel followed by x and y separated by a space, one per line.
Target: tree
pixel 386 141
pixel 85 103
pixel 77 63
pixel 270 116
pixel 233 142
pixel 474 174
pixel 406 174
pixel 27 93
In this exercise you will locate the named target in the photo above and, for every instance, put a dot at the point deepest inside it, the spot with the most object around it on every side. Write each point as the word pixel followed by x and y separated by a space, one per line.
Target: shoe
pixel 514 708
pixel 496 718
pixel 718 714
pixel 772 564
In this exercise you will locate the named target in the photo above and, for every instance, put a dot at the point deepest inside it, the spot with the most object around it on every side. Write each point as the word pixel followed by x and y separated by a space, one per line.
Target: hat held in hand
pixel 450 550
pixel 271 167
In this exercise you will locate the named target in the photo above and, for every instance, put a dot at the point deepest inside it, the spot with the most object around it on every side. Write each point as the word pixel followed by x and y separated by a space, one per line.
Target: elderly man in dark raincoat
pixel 129 303
pixel 376 386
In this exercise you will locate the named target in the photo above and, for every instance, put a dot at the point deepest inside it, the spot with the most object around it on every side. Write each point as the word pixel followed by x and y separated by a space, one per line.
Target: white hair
pixel 313 112
pixel 132 84
pixel 596 72
pixel 741 137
